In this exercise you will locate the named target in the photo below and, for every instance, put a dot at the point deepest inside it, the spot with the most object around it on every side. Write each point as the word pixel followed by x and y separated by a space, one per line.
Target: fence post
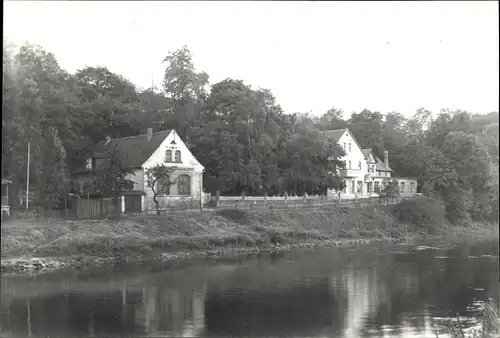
pixel 101 206
pixel 265 200
pixel 243 199
pixel 286 200
pixel 201 198
pixel 217 197
pixel 253 205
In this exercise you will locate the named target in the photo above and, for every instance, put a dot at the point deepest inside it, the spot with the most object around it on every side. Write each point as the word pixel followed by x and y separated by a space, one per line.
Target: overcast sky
pixel 394 56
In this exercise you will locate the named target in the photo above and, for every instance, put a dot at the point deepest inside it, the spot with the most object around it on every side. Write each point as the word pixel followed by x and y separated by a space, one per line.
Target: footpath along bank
pixel 30 247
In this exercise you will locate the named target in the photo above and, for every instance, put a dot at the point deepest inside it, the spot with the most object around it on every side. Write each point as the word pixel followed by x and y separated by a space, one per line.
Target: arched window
pixel 168 156
pixel 177 156
pixel 163 186
pixel 184 184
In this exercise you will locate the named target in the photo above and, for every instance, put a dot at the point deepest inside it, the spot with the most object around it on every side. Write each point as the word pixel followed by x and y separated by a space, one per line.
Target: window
pixel 177 156
pixel 184 184
pixel 349 147
pixel 345 148
pixel 360 187
pixel 377 187
pixel 369 187
pixel 349 164
pixel 88 164
pixel 345 187
pixel 168 156
pixel 359 165
pixel 402 188
pixel 412 187
pixel 163 187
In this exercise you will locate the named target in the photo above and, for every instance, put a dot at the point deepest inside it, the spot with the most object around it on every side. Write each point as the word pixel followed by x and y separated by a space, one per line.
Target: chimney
pixel 386 158
pixel 107 139
pixel 149 134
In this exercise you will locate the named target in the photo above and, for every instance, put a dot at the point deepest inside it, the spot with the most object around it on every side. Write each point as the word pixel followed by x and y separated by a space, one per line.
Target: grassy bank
pixel 179 235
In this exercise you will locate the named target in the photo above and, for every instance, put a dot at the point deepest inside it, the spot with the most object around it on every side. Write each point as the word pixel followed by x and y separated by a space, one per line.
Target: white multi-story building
pixel 364 173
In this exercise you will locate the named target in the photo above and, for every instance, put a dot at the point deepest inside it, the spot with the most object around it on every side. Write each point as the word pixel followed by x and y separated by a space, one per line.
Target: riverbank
pixel 32 248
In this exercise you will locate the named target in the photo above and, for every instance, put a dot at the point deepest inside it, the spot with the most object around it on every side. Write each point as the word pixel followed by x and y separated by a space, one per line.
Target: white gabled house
pixel 364 173
pixel 140 153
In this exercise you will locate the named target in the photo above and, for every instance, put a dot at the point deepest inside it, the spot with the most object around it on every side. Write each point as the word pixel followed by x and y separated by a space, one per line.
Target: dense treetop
pixel 241 135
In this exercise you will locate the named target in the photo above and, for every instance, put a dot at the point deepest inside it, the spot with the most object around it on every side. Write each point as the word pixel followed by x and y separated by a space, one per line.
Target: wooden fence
pixel 295 202
pixel 82 208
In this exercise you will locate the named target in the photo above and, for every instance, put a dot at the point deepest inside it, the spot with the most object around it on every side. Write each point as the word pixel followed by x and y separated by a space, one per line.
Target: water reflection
pixel 378 291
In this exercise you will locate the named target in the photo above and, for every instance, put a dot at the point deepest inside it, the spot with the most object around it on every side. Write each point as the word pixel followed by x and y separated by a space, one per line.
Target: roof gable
pixel 355 141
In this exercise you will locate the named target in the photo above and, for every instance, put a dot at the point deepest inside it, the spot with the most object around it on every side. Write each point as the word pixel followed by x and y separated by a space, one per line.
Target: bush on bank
pixel 422 211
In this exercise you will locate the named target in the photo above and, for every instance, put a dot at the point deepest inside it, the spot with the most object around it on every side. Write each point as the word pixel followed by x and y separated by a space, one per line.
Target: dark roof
pixel 380 165
pixel 335 134
pixel 135 149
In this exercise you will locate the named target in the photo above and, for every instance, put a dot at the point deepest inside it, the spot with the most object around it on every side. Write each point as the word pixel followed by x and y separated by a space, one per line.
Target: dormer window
pixel 349 147
pixel 168 156
pixel 177 156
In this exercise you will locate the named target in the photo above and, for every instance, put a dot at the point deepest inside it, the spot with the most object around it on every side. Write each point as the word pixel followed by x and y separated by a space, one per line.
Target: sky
pixel 383 56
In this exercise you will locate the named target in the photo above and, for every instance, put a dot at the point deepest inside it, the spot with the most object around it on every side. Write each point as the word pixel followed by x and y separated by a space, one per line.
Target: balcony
pixel 350 173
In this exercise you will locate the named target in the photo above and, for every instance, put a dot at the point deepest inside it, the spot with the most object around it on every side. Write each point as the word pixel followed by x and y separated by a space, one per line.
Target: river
pixel 389 290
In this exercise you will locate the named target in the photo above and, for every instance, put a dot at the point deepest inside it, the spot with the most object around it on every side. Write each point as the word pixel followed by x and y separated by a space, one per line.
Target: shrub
pixel 235 215
pixel 422 211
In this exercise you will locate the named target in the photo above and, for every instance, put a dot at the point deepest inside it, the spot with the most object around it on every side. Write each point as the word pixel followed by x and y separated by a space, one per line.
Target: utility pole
pixel 28 177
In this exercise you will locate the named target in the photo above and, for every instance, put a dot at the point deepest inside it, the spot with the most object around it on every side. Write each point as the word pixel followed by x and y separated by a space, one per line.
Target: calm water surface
pixel 397 290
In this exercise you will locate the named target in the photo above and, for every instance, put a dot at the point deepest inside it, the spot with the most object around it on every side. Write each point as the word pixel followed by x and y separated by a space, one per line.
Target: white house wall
pixel 355 174
pixel 355 156
pixel 189 165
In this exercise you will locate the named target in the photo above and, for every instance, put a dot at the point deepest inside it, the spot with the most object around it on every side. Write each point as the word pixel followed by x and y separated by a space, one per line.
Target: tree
pixel 332 119
pixel 114 178
pixel 53 176
pixel 390 189
pixel 185 88
pixel 159 180
pixel 367 129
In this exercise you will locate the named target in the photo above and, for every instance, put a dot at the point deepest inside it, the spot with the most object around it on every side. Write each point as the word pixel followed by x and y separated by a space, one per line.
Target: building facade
pixel 364 174
pixel 140 153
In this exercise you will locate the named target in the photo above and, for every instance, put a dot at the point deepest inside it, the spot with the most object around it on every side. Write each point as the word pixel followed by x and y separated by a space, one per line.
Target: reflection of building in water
pixel 195 327
pixel 363 296
pixel 172 311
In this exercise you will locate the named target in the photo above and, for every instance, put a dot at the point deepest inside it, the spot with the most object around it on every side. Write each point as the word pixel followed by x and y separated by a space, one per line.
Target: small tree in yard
pixel 390 189
pixel 112 180
pixel 158 179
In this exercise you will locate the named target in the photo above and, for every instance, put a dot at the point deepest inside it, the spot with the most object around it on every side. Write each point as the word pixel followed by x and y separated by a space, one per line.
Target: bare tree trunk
pixel 157 205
